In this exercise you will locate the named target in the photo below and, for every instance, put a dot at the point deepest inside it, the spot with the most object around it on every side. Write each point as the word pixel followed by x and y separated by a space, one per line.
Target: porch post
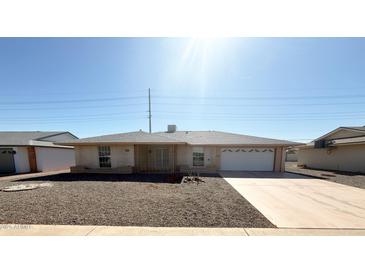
pixel 32 159
pixel 278 160
pixel 173 158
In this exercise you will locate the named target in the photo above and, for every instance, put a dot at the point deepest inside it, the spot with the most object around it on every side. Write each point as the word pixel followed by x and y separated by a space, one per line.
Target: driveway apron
pixel 295 201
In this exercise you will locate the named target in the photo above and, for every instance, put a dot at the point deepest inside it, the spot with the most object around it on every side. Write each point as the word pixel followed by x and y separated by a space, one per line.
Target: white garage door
pixel 247 159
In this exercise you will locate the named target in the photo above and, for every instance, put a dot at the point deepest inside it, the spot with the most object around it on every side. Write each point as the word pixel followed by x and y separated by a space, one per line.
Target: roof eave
pixel 119 143
pixel 241 144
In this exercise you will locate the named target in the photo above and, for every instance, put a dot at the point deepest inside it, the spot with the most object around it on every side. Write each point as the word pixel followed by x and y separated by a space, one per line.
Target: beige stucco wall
pixel 184 156
pixel 291 157
pixel 344 158
pixel 122 156
pixel 87 156
pixel 213 154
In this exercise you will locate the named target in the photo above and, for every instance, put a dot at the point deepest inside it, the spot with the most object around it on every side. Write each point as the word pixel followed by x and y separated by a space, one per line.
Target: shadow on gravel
pixel 138 177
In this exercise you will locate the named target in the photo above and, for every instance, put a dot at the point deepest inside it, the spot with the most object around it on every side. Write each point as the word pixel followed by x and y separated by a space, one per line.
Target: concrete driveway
pixel 295 201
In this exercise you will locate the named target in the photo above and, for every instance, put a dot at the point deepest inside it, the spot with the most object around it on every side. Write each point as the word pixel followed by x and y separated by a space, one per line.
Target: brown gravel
pixel 129 200
pixel 340 177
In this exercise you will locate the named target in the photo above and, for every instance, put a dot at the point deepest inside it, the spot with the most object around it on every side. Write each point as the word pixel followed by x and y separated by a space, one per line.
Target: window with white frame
pixel 104 156
pixel 198 156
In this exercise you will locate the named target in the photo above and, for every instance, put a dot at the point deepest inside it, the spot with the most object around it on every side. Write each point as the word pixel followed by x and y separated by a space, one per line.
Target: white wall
pixel 21 160
pixel 54 158
pixel 344 158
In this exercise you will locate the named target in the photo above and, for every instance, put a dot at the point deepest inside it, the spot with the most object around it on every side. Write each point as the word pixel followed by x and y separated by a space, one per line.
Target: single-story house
pixel 342 149
pixel 178 151
pixel 32 151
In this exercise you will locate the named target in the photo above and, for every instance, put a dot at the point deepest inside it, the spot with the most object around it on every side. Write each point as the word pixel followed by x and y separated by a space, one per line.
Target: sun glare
pixel 198 59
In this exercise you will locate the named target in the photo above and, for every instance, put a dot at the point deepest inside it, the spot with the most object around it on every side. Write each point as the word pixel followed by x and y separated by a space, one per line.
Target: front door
pixel 7 160
pixel 161 159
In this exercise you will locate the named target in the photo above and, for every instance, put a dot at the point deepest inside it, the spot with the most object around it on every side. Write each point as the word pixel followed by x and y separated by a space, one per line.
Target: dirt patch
pixel 132 200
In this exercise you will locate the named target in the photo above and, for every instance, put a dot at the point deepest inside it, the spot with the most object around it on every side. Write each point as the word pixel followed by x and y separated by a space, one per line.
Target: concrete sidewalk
pixel 24 176
pixel 71 230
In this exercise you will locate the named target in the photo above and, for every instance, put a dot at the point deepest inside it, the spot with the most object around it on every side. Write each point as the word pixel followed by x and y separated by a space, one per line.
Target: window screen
pixel 198 157
pixel 104 156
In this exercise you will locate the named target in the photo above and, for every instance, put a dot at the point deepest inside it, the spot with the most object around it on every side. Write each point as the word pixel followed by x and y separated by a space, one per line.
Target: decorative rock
pixel 24 187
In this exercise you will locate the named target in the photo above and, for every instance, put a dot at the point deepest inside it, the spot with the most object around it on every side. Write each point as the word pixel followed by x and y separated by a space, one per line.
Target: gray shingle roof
pixel 23 138
pixel 129 137
pixel 182 137
pixel 222 138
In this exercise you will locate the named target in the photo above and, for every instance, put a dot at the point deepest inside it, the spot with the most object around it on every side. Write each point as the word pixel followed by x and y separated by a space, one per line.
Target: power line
pixel 258 105
pixel 103 99
pixel 66 122
pixel 195 103
pixel 264 119
pixel 182 117
pixel 307 97
pixel 71 100
pixel 87 120
pixel 270 89
pixel 297 114
pixel 185 104
pixel 78 107
pixel 78 116
pixel 32 92
pixel 205 114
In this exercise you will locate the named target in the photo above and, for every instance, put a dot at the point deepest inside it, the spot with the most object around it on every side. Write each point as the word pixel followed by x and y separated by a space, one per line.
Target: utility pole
pixel 149 109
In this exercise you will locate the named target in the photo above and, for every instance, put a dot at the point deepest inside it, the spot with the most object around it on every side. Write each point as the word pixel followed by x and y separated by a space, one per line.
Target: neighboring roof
pixel 26 138
pixel 356 129
pixel 182 137
pixel 358 139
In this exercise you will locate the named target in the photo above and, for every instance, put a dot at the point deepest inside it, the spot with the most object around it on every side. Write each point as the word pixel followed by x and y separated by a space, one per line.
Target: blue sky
pixel 288 88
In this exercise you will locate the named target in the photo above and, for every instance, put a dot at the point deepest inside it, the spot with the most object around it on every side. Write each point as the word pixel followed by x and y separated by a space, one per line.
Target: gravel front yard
pixel 128 200
pixel 345 178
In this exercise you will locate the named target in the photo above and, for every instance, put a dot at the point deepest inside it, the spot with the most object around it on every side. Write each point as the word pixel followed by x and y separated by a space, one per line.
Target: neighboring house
pixel 178 151
pixel 32 151
pixel 342 149
pixel 291 154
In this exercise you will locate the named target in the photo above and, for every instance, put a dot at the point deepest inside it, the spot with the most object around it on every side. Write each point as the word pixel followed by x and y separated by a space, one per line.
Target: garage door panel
pixel 247 159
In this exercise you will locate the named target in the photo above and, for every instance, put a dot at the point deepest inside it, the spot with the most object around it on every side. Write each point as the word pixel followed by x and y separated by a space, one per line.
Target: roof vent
pixel 171 128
